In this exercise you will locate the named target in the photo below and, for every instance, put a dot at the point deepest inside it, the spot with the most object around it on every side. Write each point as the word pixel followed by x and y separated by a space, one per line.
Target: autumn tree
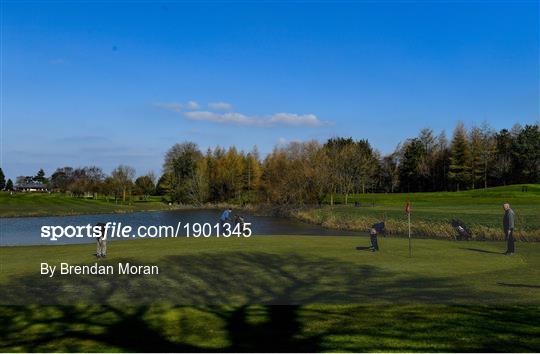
pixel 252 170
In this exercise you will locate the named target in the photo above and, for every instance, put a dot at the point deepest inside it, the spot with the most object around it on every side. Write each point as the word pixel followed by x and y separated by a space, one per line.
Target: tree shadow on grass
pixel 358 328
pixel 248 301
pixel 481 250
pixel 455 328
pixel 516 285
pixel 241 278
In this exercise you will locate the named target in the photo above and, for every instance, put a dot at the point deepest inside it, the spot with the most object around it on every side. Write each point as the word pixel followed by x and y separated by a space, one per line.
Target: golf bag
pixel 462 232
pixel 239 220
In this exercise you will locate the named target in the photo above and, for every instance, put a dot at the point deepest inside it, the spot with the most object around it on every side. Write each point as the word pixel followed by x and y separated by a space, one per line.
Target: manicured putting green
pixel 451 296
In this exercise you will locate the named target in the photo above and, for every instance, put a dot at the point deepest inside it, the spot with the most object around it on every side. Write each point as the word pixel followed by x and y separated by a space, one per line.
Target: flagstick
pixel 410 249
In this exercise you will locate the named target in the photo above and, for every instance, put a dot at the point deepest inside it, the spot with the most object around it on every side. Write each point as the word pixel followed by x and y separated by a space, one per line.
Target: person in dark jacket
pixel 373 236
pixel 508 226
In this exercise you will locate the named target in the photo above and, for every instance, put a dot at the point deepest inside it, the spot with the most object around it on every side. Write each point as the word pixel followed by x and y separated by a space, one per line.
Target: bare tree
pixel 123 178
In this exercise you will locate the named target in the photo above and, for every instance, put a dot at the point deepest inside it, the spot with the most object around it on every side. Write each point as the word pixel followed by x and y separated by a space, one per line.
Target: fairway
pixel 45 204
pixel 218 294
pixel 280 270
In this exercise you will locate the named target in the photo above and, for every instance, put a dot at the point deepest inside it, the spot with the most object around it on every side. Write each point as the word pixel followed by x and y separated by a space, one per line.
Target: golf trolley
pixel 463 233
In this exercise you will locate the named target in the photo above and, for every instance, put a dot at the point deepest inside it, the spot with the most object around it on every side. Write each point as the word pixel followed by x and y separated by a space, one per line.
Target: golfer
pixel 373 238
pixel 101 247
pixel 508 226
pixel 226 216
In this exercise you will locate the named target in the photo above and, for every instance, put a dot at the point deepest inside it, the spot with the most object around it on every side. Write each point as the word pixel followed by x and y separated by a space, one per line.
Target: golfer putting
pixel 373 232
pixel 373 239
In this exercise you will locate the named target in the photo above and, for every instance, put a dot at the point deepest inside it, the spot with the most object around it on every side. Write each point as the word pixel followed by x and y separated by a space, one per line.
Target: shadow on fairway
pixel 379 328
pixel 241 279
pixel 511 285
pixel 363 248
pixel 253 302
pixel 481 250
pixel 129 328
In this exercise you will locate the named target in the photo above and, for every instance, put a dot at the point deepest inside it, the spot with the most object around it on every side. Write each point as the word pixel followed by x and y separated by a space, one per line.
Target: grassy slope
pixel 481 210
pixel 42 204
pixel 451 296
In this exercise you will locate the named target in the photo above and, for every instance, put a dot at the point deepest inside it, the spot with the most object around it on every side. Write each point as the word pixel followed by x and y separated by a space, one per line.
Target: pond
pixel 27 230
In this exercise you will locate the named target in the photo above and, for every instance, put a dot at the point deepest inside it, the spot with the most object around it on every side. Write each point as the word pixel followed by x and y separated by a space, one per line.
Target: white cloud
pixel 190 110
pixel 237 118
pixel 242 119
pixel 296 119
pixel 220 106
pixel 282 141
pixel 192 105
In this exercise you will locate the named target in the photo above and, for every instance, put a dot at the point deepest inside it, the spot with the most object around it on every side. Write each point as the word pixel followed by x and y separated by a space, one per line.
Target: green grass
pixel 45 204
pixel 432 213
pixel 223 294
pixel 310 328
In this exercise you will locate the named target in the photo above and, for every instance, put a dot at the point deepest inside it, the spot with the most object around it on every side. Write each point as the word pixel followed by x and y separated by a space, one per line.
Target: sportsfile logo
pixel 118 230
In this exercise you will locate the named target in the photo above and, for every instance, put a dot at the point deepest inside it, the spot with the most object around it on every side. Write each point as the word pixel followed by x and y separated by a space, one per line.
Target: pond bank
pixel 432 220
pixel 398 226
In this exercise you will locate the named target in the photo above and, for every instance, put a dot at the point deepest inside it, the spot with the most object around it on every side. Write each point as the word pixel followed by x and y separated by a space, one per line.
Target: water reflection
pixel 26 231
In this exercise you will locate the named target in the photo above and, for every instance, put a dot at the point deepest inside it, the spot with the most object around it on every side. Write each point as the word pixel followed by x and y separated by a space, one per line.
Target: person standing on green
pixel 508 226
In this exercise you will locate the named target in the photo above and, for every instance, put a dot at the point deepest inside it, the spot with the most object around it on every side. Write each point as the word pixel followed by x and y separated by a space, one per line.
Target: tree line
pixel 90 181
pixel 312 172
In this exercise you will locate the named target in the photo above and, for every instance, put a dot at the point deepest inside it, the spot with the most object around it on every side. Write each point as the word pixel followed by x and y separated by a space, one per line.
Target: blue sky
pixel 97 83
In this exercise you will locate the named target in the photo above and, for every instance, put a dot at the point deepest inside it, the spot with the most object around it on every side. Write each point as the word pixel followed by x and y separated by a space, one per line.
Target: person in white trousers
pixel 101 247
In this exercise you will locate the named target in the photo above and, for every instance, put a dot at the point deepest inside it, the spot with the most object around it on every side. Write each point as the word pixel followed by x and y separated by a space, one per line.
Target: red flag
pixel 408 207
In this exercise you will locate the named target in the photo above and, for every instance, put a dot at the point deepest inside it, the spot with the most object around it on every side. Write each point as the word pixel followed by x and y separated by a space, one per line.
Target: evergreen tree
pixel 487 152
pixel 40 176
pixel 502 168
pixel 526 155
pixel 9 185
pixel 442 163
pixel 460 171
pixel 2 180
pixel 427 167
pixel 413 155
pixel 163 185
pixel 475 161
